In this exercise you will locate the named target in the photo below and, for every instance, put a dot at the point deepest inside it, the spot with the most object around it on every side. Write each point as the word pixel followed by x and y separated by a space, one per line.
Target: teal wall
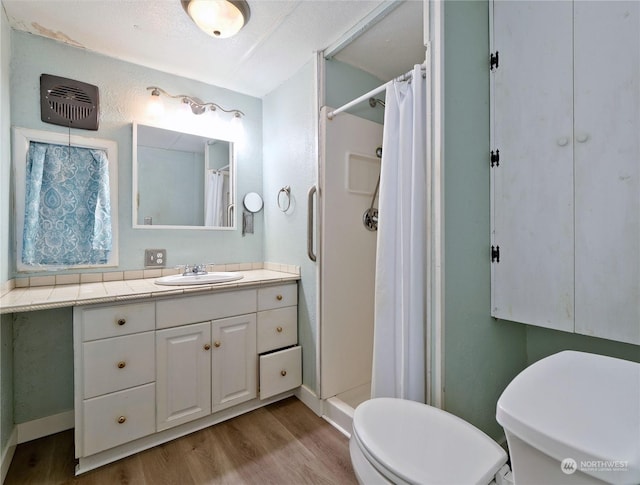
pixel 542 342
pixel 6 321
pixel 344 83
pixel 5 148
pixel 123 98
pixel 6 380
pixel 481 355
pixel 290 159
pixel 43 363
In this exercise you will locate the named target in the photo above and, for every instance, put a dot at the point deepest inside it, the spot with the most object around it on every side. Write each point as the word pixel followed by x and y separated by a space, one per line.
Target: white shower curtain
pixel 399 363
pixel 214 200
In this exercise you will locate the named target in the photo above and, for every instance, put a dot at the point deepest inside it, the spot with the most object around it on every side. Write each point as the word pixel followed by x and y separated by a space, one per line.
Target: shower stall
pixel 348 244
pixel 349 173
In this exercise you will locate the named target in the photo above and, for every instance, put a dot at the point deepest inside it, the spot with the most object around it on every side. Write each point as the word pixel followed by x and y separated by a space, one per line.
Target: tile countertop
pixel 46 297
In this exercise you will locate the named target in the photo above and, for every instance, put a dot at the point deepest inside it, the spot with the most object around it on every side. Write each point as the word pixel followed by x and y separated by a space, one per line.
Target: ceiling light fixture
pixel 197 106
pixel 218 18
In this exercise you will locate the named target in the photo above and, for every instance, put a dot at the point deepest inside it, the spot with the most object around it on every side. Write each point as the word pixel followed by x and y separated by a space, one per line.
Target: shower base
pixel 338 410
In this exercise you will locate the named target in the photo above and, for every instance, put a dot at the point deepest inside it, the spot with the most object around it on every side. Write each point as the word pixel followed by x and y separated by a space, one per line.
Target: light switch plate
pixel 155 257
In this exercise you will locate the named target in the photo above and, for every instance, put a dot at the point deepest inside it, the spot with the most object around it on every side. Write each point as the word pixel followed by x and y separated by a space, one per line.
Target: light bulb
pixel 155 108
pixel 216 120
pixel 237 129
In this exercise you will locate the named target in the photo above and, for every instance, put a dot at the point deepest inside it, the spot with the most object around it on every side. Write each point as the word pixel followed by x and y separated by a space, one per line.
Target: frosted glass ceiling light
pixel 218 18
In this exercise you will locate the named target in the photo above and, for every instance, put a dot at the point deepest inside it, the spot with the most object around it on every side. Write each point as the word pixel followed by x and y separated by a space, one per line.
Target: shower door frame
pixel 434 62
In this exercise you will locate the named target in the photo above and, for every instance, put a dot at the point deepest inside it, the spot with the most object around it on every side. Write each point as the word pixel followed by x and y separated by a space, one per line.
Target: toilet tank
pixel 574 418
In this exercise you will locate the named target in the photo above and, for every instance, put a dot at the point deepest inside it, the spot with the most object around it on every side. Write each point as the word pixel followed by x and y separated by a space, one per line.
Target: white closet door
pixel 607 169
pixel 533 185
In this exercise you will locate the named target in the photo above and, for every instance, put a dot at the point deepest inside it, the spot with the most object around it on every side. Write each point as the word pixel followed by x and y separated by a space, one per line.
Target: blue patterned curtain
pixel 67 208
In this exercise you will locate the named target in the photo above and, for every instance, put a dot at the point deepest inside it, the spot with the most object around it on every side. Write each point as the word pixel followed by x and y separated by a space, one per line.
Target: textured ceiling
pixel 281 36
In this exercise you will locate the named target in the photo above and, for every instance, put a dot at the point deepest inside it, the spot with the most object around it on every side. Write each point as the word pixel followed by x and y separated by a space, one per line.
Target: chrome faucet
pixel 193 269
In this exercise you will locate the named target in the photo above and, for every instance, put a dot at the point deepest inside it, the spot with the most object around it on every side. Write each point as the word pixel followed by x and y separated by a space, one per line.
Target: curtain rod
pixel 350 104
pixel 373 92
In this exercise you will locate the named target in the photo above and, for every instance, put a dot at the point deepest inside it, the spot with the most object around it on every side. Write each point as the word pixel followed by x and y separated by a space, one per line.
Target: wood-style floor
pixel 283 443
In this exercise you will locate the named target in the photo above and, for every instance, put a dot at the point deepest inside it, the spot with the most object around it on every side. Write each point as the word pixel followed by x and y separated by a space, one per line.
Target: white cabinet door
pixel 566 195
pixel 234 361
pixel 532 128
pixel 183 376
pixel 607 173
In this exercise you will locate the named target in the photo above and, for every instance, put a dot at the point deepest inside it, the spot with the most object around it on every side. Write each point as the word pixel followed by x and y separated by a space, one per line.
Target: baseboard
pixel 7 454
pixel 339 414
pixel 309 399
pixel 39 428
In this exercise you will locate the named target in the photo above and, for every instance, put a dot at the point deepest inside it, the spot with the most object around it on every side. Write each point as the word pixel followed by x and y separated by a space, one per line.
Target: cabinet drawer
pixel 277 296
pixel 118 363
pixel 194 309
pixel 277 328
pixel 114 320
pixel 280 371
pixel 118 418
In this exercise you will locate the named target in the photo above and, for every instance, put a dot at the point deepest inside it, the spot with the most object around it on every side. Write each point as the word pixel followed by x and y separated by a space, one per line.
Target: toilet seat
pixel 410 442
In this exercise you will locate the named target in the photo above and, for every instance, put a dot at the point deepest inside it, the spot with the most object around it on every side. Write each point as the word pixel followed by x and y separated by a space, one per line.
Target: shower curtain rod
pixel 359 100
pixel 370 94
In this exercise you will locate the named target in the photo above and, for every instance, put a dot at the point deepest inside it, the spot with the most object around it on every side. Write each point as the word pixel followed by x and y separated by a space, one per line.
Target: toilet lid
pixel 415 443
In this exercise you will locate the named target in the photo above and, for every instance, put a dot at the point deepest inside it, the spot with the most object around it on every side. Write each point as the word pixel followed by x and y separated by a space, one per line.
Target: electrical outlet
pixel 155 257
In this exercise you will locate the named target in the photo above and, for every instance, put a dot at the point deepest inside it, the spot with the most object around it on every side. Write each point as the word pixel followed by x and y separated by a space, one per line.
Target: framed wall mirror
pixel 182 180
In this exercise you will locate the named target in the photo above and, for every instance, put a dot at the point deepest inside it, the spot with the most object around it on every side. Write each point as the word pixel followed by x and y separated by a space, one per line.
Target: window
pixel 66 201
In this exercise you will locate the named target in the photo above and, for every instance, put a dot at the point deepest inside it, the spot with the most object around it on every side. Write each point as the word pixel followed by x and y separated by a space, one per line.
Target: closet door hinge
pixel 493 61
pixel 495 254
pixel 495 158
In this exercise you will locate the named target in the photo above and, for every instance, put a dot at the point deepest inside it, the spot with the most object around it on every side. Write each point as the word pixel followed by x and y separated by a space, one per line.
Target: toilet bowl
pixel 571 418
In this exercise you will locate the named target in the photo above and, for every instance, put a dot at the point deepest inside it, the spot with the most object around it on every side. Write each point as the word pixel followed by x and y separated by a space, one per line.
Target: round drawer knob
pixel 122 321
pixel 283 373
pixel 216 344
pixel 122 364
pixel 121 419
pixel 207 346
pixel 279 329
pixel 279 297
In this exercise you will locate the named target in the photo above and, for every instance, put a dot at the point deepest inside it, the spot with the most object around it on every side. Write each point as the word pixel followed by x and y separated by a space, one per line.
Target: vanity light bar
pixel 197 106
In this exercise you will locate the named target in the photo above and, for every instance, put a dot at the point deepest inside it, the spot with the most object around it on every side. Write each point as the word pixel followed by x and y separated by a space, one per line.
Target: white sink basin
pixel 203 279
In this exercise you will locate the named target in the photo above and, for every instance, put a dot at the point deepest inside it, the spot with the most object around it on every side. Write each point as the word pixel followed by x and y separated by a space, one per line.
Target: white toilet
pixel 571 418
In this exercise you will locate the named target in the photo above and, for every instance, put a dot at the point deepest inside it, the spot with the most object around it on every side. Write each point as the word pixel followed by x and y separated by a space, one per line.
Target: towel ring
pixel 284 205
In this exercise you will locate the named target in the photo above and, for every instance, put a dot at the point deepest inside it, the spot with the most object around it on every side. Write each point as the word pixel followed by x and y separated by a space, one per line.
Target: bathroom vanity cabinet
pixel 149 371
